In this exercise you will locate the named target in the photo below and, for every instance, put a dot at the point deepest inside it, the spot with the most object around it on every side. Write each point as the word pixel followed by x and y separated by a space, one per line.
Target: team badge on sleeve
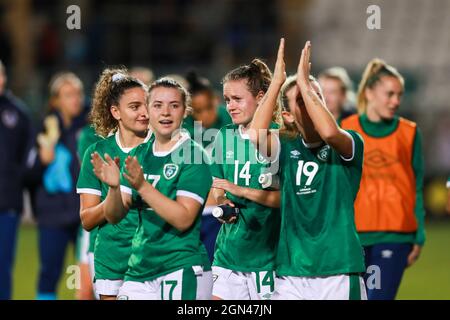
pixel 170 170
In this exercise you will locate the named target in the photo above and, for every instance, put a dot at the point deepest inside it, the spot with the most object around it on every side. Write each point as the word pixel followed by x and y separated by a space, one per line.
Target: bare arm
pixel 91 211
pixel 259 134
pixel 180 213
pixel 265 197
pixel 115 205
pixel 323 120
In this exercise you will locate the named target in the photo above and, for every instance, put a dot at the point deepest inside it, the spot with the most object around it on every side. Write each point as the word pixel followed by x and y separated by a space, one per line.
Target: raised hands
pixel 279 74
pixel 134 175
pixel 304 67
pixel 106 170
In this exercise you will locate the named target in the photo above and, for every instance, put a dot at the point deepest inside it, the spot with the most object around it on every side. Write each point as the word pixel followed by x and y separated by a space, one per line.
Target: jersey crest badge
pixel 324 153
pixel 170 170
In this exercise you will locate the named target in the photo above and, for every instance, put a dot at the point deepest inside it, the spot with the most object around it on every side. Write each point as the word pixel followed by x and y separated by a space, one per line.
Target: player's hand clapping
pixel 106 170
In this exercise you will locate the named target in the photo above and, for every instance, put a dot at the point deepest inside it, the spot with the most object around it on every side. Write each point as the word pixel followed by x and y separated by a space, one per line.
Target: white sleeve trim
pixel 191 195
pixel 89 191
pixel 353 148
pixel 125 189
pixel 448 184
pixel 311 145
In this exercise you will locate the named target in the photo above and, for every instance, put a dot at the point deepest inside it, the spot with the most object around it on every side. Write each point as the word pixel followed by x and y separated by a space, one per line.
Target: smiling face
pixel 383 99
pixel 241 104
pixel 132 112
pixel 166 110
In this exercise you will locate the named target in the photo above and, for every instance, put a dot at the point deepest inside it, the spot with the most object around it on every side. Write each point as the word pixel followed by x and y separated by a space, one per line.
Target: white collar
pixel 184 136
pixel 243 135
pixel 127 150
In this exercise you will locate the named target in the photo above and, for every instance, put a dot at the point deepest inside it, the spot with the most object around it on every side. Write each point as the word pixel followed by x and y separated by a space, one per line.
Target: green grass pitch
pixel 429 278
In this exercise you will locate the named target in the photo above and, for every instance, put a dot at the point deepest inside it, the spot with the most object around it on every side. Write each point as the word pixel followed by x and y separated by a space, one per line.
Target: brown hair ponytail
pixel 108 91
pixel 258 76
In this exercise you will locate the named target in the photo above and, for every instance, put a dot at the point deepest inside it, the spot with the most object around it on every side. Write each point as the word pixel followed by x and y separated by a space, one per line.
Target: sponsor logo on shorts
pixel 122 297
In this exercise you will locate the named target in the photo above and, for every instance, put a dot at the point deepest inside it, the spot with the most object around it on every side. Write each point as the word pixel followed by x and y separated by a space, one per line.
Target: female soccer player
pixel 337 91
pixel 119 107
pixel 207 118
pixel 54 172
pixel 168 260
pixel 85 256
pixel 319 254
pixel 244 258
pixel 389 212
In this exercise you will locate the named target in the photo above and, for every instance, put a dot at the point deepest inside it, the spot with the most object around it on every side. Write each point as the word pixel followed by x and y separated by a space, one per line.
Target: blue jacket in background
pixel 58 208
pixel 16 140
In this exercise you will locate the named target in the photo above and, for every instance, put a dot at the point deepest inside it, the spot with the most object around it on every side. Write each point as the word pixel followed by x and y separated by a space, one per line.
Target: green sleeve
pixel 217 156
pixel 195 182
pixel 87 180
pixel 418 166
pixel 124 184
pixel 87 138
pixel 358 151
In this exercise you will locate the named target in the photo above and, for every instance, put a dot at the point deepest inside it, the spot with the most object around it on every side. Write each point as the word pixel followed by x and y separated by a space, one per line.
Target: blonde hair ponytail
pixel 375 70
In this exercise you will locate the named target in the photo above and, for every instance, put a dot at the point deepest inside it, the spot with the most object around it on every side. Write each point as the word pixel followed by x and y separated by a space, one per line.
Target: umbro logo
pixel 295 154
pixel 230 154
pixel 378 159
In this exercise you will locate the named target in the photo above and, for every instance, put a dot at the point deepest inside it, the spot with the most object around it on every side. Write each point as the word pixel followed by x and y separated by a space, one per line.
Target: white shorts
pixel 190 283
pixel 92 272
pixel 339 287
pixel 107 287
pixel 235 285
pixel 91 265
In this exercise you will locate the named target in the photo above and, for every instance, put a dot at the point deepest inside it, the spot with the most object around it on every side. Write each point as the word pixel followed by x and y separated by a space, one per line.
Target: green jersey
pixel 112 247
pixel 249 245
pixel 318 187
pixel 86 138
pixel 159 248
